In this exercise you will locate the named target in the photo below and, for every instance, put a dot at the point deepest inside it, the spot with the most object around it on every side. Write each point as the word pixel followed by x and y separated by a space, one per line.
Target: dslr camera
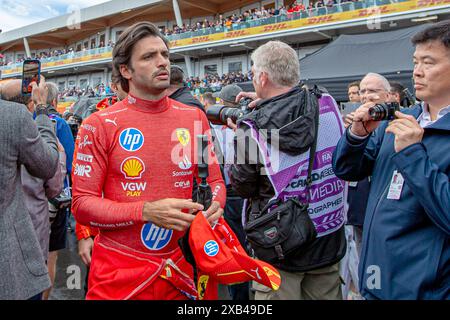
pixel 218 114
pixel 384 111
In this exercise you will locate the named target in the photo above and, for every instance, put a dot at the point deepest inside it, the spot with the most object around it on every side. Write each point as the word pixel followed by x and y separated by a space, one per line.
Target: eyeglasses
pixel 369 91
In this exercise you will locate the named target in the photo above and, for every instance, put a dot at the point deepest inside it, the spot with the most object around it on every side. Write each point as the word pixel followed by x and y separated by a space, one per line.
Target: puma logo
pixel 111 121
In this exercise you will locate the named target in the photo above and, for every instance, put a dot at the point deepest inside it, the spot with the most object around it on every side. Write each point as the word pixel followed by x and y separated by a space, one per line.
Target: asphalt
pixel 68 285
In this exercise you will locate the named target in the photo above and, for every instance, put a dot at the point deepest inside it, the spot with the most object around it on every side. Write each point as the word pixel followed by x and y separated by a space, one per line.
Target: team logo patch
pixel 131 139
pixel 132 168
pixel 211 248
pixel 154 237
pixel 183 136
pixel 201 286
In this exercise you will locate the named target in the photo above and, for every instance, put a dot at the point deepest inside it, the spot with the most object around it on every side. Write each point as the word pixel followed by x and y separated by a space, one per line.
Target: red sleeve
pixel 214 179
pixel 88 176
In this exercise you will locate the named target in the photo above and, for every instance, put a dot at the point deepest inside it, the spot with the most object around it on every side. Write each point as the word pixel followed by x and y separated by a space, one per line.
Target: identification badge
pixel 395 189
pixel 353 184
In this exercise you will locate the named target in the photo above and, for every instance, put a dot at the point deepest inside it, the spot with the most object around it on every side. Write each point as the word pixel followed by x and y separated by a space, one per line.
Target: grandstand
pixel 207 37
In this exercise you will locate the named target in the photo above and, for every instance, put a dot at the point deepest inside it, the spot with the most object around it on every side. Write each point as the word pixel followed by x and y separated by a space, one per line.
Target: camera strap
pixel 312 151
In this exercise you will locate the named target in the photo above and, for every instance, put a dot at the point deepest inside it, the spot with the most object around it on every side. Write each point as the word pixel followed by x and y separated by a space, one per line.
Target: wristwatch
pixel 41 109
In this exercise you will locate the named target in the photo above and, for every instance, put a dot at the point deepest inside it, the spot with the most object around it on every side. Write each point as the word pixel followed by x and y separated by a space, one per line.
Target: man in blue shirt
pixel 405 252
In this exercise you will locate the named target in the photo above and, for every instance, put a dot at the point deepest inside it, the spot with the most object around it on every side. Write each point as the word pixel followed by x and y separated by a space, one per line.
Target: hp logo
pixel 131 139
pixel 154 237
pixel 211 248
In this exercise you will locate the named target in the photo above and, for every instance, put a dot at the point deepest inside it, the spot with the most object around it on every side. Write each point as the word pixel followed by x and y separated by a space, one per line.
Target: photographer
pixel 285 110
pixel 405 252
pixel 373 88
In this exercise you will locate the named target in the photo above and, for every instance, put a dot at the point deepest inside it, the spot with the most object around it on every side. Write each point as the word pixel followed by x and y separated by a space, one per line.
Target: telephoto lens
pixel 218 114
pixel 384 111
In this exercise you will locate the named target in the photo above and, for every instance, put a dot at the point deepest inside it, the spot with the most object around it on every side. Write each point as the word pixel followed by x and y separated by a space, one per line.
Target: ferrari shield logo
pixel 183 136
pixel 201 286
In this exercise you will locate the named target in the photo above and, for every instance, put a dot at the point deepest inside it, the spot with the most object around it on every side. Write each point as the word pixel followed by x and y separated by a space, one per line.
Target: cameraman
pixel 312 270
pixel 376 89
pixel 405 251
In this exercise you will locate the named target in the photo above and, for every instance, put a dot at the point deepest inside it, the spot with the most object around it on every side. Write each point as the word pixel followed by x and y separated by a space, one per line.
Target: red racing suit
pixel 130 153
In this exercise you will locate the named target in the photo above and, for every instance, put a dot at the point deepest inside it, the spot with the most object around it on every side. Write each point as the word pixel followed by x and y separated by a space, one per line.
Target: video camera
pixel 218 114
pixel 384 111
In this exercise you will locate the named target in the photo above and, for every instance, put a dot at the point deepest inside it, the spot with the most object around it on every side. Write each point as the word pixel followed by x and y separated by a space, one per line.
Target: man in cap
pixel 228 95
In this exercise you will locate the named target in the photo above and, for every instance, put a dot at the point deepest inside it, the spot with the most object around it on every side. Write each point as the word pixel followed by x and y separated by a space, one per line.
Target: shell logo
pixel 132 168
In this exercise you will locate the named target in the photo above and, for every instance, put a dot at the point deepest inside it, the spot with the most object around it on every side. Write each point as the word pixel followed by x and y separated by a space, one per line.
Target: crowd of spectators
pixel 214 82
pixel 55 53
pixel 197 85
pixel 97 91
pixel 253 14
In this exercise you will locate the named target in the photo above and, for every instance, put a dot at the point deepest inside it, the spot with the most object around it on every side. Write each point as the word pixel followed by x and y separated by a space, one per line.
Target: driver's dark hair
pixel 123 48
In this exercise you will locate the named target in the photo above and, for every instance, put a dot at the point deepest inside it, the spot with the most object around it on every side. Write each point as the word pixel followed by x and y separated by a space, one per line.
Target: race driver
pixel 133 175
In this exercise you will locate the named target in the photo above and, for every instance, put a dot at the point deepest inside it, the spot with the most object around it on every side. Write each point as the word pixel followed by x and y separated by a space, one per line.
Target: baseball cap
pixel 228 93
pixel 219 255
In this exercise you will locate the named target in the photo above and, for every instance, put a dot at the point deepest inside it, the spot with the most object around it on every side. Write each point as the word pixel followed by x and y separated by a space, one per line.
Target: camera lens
pixel 213 113
pixel 384 111
pixel 377 112
pixel 218 114
pixel 232 113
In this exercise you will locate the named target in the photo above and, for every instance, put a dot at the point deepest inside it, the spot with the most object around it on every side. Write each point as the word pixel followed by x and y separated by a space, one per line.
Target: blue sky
pixel 18 13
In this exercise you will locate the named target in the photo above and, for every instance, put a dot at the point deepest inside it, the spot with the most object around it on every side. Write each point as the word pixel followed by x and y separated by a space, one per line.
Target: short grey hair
pixel 384 81
pixel 52 93
pixel 279 61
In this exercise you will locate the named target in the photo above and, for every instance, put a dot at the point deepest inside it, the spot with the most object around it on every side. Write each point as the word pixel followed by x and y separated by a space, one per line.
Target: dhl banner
pixel 367 13
pixel 329 18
